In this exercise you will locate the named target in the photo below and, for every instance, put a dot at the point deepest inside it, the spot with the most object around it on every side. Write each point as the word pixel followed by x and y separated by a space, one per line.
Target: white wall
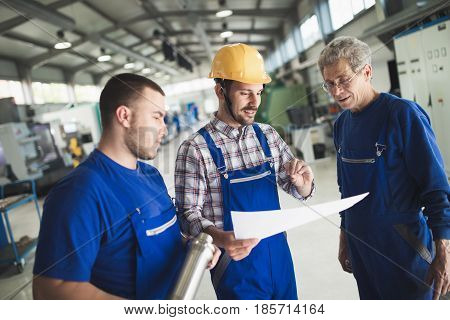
pixel 48 74
pixel 83 78
pixel 8 70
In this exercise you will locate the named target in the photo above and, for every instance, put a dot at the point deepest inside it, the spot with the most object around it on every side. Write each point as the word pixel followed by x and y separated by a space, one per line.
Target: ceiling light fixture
pixel 146 70
pixel 421 3
pixel 226 34
pixel 129 64
pixel 63 43
pixel 224 13
pixel 103 56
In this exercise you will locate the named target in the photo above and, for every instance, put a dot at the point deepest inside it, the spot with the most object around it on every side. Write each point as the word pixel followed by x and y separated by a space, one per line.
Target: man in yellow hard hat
pixel 234 164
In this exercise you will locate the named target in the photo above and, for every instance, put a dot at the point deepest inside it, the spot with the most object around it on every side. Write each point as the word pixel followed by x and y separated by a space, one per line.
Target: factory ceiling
pixel 170 37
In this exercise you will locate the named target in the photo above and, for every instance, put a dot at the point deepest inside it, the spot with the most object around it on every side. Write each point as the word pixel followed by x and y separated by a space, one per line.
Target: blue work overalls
pixel 159 248
pixel 390 251
pixel 268 271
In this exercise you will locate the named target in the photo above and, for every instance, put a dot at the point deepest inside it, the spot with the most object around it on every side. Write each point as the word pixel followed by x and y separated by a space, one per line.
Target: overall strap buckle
pixel 223 171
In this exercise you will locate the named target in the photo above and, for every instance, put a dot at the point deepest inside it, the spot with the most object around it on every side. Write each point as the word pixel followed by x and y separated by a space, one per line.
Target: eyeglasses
pixel 328 86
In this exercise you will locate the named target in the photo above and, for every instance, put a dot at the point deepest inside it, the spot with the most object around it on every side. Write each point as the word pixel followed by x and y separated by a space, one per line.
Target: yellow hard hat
pixel 239 62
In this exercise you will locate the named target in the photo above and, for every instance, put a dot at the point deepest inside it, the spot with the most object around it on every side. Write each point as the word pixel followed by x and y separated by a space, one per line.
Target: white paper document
pixel 263 224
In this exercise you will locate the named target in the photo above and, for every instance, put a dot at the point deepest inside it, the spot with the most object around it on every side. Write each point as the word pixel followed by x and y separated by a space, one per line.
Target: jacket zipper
pixel 358 160
pixel 258 176
pixel 160 229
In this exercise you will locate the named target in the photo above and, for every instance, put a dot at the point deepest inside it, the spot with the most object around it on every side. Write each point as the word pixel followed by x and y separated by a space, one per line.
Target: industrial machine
pixel 423 65
pixel 19 157
pixel 78 141
pixel 10 112
pixel 310 139
pixel 21 151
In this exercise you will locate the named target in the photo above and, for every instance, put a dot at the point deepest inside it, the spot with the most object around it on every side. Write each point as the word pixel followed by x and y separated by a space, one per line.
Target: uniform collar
pixel 228 130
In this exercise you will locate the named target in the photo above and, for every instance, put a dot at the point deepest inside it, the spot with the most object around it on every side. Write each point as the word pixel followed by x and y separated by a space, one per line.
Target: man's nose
pixel 254 98
pixel 164 130
pixel 336 90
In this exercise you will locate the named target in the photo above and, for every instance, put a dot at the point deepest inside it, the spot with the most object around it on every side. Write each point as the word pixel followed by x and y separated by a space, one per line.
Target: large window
pixel 274 60
pixel 343 11
pixel 87 93
pixel 188 86
pixel 290 50
pixel 50 92
pixel 12 89
pixel 297 39
pixel 310 31
pixel 277 58
pixel 268 61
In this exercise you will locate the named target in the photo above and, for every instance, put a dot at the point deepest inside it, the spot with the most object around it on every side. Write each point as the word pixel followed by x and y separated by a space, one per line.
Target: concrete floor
pixel 314 245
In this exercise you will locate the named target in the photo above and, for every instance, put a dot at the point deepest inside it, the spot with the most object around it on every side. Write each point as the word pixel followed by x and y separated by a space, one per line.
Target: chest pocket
pixel 358 170
pixel 157 235
pixel 365 171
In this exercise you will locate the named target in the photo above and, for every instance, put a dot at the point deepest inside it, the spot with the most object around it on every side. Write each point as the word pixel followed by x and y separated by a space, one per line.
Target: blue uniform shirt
pixel 414 165
pixel 86 233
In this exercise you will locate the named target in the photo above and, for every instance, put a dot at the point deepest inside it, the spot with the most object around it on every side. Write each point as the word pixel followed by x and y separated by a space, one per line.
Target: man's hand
pixel 215 258
pixel 301 176
pixel 439 272
pixel 343 256
pixel 236 249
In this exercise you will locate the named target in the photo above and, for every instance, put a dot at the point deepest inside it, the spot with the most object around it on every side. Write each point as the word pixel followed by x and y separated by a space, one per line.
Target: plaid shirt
pixel 197 180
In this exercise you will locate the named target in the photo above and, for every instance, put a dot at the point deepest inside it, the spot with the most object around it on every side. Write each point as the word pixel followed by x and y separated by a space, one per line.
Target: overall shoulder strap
pixel 216 153
pixel 262 140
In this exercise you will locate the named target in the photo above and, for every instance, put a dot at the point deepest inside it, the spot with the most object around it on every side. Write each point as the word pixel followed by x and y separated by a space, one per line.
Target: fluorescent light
pixel 159 74
pixel 226 34
pixel 224 13
pixel 104 58
pixel 146 70
pixel 129 65
pixel 63 45
pixel 166 77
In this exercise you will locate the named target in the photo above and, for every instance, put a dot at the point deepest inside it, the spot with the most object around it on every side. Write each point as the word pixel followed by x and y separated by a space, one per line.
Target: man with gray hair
pixel 385 146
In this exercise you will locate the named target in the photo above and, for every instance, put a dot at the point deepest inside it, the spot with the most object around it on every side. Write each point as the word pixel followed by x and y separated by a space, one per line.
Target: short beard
pixel 132 139
pixel 241 120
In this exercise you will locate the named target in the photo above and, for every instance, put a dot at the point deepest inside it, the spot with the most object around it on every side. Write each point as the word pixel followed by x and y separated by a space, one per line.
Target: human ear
pixel 123 116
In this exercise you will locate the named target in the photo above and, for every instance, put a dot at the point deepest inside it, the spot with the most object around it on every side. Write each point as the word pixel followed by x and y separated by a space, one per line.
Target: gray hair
pixel 356 52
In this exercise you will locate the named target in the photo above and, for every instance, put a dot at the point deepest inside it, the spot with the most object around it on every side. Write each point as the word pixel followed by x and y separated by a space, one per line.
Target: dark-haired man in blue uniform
pixel 109 229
